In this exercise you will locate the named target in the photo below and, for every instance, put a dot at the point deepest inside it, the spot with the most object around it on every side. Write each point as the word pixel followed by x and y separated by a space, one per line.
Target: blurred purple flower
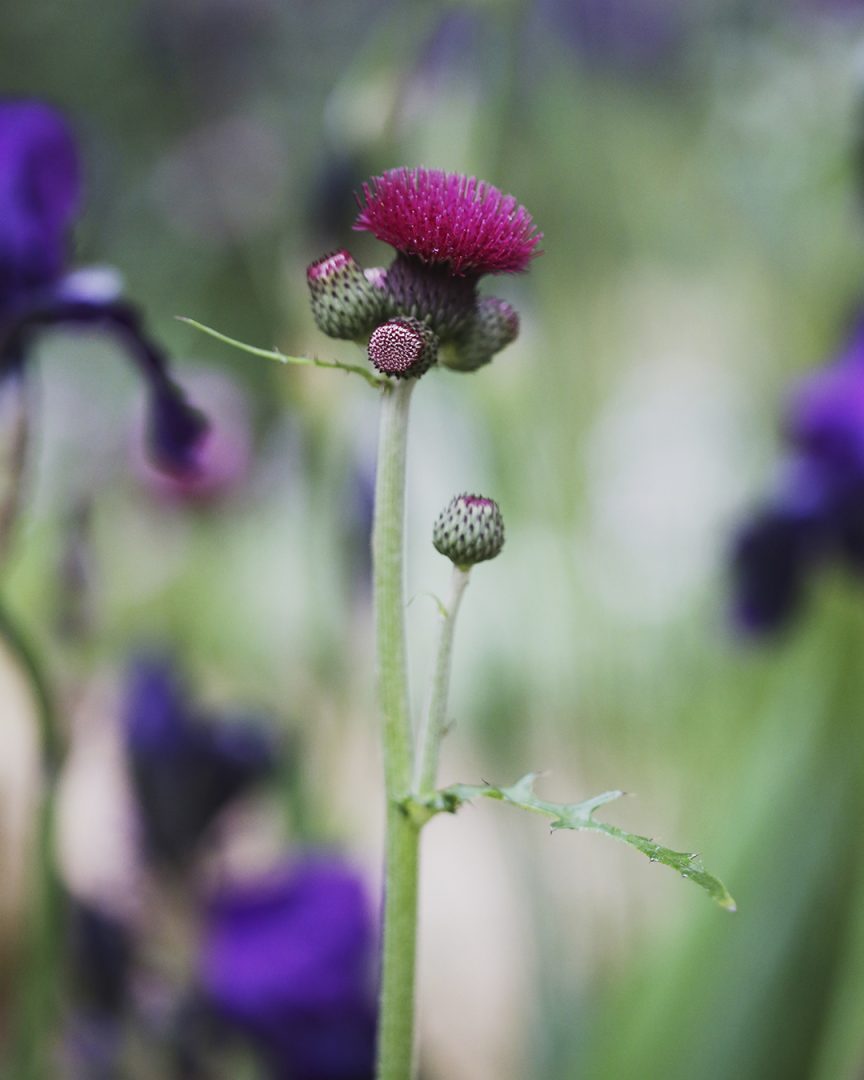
pixel 101 952
pixel 39 199
pixel 817 511
pixel 826 414
pixel 186 765
pixel 224 455
pixel 641 37
pixel 39 196
pixel 286 961
pixel 773 554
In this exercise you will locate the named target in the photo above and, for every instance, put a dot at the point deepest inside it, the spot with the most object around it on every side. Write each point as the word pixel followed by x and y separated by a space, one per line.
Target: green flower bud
pixel 469 530
pixel 403 348
pixel 346 303
pixel 495 325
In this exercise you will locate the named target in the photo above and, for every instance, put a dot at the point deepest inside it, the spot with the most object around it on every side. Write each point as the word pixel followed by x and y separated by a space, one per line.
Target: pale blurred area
pixel 695 170
pixel 20 784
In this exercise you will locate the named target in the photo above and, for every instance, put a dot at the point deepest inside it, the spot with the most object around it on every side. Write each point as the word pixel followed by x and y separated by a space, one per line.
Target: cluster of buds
pixel 448 231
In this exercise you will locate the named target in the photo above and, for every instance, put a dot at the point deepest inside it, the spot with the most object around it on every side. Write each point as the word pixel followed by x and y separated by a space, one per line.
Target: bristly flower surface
pixel 403 348
pixel 446 219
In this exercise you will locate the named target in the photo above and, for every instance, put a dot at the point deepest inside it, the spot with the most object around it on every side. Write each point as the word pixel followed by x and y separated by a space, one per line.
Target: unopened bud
pixel 469 530
pixel 494 326
pixel 403 348
pixel 345 302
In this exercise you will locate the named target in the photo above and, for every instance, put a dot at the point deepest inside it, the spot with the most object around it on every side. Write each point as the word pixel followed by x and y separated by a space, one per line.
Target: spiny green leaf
pixel 573 816
pixel 275 354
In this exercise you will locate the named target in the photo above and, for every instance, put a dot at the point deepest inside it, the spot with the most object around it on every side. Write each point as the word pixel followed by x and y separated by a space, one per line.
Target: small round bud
pixel 494 326
pixel 345 302
pixel 469 530
pixel 403 348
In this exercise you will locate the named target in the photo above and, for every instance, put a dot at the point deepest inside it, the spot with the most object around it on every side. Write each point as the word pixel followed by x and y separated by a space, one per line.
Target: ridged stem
pixel 396 1016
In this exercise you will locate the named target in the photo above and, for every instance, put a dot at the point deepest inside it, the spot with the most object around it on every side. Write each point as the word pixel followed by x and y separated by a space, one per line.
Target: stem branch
pixel 436 718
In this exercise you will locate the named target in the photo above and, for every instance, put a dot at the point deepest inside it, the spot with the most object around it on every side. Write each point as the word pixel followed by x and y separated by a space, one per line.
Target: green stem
pixel 36 1000
pixel 396 1018
pixel 436 719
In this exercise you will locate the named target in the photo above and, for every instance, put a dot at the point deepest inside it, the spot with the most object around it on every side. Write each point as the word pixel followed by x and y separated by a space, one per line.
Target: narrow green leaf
pixel 280 357
pixel 573 816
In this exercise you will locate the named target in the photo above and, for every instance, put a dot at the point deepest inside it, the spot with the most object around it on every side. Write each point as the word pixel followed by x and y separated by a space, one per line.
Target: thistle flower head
pixel 403 348
pixel 450 220
pixel 469 530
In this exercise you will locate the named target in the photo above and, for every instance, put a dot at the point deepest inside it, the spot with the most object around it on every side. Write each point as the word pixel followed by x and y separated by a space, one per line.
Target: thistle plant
pixel 422 312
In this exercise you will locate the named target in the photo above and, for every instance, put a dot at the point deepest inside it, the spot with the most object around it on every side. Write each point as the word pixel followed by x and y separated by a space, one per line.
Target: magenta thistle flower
pixel 445 219
pixel 404 348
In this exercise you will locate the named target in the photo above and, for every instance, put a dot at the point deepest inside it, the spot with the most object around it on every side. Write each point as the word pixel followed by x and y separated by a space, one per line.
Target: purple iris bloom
pixel 39 200
pixel 286 961
pixel 641 37
pixel 186 765
pixel 773 556
pixel 826 414
pixel 817 511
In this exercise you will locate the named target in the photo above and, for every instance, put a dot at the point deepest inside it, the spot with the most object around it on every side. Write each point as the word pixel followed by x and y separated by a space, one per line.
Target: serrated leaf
pixel 577 816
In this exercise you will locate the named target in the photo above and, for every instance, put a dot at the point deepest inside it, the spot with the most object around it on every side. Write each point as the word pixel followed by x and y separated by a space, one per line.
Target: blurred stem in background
pixel 13 450
pixel 40 975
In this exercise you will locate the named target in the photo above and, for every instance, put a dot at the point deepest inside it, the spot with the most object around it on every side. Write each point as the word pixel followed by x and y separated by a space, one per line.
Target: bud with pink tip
pixel 469 530
pixel 345 302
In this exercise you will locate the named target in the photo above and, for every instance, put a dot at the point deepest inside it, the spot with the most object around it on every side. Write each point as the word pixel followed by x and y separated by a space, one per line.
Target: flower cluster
pixel 817 511
pixel 39 200
pixel 448 231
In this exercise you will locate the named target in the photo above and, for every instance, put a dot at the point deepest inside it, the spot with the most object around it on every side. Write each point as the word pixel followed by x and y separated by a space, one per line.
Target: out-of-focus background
pixel 695 167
